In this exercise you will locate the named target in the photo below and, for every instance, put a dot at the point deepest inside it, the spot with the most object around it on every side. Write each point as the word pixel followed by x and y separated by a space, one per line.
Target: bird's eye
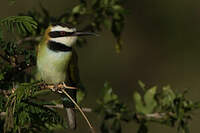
pixel 62 33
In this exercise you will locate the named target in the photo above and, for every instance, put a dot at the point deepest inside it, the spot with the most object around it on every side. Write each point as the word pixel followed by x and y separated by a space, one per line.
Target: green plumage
pixel 73 70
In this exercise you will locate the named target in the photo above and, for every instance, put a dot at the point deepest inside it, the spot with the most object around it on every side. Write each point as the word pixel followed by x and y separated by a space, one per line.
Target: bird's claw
pixel 59 87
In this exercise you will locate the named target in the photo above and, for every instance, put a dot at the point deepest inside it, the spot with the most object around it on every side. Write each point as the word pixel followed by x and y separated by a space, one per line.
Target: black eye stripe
pixel 58 47
pixel 55 34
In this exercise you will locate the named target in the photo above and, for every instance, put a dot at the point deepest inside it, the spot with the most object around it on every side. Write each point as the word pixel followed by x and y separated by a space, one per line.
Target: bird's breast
pixel 52 66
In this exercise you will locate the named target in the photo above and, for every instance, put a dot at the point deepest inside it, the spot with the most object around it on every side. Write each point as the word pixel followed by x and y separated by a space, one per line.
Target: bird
pixel 57 61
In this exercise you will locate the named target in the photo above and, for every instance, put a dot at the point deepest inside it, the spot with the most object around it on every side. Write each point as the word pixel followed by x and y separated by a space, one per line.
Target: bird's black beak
pixel 83 33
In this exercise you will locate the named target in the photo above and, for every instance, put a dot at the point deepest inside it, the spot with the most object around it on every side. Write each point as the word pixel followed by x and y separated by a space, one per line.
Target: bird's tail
pixel 71 117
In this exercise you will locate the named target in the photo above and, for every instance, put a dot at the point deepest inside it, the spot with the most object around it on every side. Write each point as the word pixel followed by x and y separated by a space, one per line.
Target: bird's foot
pixel 58 88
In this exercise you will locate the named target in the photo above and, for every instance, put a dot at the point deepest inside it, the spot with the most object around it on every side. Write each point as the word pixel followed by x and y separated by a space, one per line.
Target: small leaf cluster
pixel 93 15
pixel 162 106
pixel 24 114
pixel 19 35
pixel 111 13
pixel 113 111
pixel 22 24
pixel 146 105
pixel 14 57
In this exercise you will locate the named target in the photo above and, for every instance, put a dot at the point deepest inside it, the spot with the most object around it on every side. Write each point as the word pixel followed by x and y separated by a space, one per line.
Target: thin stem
pixel 85 117
pixel 60 106
pixel 38 38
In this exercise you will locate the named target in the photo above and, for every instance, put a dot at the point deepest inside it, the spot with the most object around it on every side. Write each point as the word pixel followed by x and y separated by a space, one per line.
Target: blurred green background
pixel 161 46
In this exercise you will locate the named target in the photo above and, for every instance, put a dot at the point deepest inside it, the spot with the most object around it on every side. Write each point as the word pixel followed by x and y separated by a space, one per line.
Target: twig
pixel 29 39
pixel 3 114
pixel 86 109
pixel 85 117
pixel 63 86
pixel 156 115
pixel 6 93
pixel 60 106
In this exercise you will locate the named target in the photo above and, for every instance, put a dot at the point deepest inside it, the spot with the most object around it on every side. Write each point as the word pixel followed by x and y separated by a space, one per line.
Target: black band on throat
pixel 58 47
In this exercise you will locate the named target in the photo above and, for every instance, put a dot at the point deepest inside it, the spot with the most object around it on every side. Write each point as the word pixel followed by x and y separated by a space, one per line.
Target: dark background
pixel 161 46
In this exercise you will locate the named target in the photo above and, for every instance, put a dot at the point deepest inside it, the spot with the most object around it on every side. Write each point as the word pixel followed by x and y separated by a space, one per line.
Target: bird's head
pixel 64 34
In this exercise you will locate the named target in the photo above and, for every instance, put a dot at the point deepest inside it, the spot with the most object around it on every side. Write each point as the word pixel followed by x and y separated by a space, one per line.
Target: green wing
pixel 74 76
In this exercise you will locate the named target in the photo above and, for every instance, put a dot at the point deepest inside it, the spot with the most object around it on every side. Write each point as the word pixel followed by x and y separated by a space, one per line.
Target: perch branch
pixel 2 113
pixel 60 106
pixel 60 88
pixel 156 115
pixel 38 38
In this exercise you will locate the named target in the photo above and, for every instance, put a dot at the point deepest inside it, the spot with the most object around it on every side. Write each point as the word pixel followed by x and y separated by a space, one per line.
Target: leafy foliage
pixel 113 111
pixel 163 106
pixel 22 112
pixel 93 15
pixel 25 115
pixel 23 24
pixel 149 101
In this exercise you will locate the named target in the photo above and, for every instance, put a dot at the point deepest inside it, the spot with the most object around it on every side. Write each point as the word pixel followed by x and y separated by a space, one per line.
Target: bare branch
pixel 2 113
pixel 60 106
pixel 38 38
pixel 156 115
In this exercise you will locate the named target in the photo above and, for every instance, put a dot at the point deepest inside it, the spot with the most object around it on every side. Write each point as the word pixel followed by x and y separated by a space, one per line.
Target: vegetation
pixel 21 112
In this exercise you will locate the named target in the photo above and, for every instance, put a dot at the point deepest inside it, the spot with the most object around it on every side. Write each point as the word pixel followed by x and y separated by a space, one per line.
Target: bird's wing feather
pixel 73 77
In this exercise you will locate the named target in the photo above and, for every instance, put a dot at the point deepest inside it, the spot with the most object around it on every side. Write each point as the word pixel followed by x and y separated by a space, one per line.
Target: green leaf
pixel 1 76
pixel 108 24
pixel 149 96
pixel 108 94
pixel 23 24
pixel 139 106
pixel 80 96
pixel 141 84
pixel 79 9
pixel 150 102
pixel 149 99
pixel 118 8
pixel 168 96
pixel 118 46
pixel 76 9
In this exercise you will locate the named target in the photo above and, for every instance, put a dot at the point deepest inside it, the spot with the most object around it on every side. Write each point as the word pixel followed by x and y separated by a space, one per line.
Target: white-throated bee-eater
pixel 57 60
